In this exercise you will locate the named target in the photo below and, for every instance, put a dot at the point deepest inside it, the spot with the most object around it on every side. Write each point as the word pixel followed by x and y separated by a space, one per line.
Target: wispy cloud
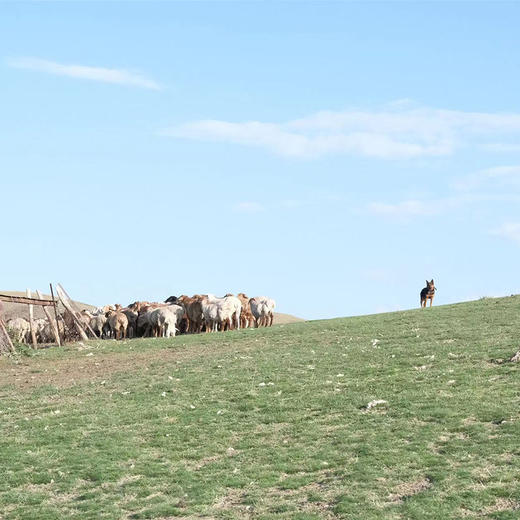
pixel 287 205
pixel 101 74
pixel 502 147
pixel 509 230
pixel 407 208
pixel 437 206
pixel 498 176
pixel 396 131
pixel 249 207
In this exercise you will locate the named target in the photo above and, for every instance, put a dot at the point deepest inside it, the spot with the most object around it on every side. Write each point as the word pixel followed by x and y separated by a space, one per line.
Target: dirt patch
pixel 315 498
pixel 97 365
pixel 502 504
pixel 203 462
pixel 233 501
pixel 407 490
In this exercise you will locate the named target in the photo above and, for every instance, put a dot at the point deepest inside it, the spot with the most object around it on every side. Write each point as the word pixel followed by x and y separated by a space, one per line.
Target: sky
pixel 330 155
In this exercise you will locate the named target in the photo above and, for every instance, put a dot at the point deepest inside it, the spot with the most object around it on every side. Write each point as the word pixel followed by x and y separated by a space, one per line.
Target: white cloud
pixel 249 207
pixel 509 230
pixel 437 206
pixel 397 131
pixel 118 76
pixel 502 147
pixel 498 176
pixel 408 208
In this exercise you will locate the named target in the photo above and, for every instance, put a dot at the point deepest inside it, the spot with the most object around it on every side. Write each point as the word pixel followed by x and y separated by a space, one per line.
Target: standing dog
pixel 428 293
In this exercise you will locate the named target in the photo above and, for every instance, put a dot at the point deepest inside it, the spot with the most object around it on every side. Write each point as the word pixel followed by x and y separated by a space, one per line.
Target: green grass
pixel 272 423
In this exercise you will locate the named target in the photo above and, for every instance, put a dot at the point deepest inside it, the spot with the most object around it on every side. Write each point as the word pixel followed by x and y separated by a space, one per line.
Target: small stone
pixel 376 402
pixel 231 452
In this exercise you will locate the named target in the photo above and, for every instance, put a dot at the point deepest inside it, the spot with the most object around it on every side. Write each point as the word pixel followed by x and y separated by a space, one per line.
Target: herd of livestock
pixel 183 314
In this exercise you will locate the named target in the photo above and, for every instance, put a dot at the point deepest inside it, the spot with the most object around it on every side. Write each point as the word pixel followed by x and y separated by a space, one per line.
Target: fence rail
pixel 26 300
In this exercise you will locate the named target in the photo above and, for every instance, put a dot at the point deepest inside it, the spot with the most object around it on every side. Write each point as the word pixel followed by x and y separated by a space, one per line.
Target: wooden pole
pixel 4 337
pixel 63 295
pixel 53 325
pixel 77 322
pixel 55 313
pixel 31 321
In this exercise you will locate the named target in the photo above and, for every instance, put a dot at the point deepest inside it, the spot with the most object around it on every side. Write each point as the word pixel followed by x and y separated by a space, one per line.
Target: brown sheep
pixel 118 323
pixel 246 316
pixel 193 308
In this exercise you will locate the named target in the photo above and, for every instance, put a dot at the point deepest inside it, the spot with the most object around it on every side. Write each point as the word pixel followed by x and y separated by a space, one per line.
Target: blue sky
pixel 329 155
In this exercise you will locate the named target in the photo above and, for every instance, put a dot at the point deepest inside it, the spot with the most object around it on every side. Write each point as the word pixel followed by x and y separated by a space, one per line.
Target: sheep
pixel 137 306
pixel 48 332
pixel 118 323
pixel 20 328
pixel 271 304
pixel 194 313
pixel 106 331
pixel 132 321
pixel 262 309
pixel 236 304
pixel 185 314
pixel 164 320
pixel 179 313
pixel 246 316
pixel 143 323
pixel 97 323
pixel 259 311
pixel 42 330
pixel 210 314
pixel 228 313
pixel 85 317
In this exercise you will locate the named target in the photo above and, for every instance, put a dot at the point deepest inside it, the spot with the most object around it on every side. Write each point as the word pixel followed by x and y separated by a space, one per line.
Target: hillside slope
pixel 272 423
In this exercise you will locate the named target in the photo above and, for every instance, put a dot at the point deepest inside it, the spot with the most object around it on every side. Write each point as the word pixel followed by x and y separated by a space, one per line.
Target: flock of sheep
pixel 184 314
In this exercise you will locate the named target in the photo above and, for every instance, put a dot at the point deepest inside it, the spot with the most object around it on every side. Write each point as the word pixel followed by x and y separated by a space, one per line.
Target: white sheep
pixel 210 314
pixel 96 324
pixel 21 329
pixel 164 320
pixel 262 308
pixel 228 310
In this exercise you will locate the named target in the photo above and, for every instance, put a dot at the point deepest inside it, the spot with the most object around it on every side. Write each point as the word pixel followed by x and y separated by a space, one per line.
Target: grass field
pixel 272 423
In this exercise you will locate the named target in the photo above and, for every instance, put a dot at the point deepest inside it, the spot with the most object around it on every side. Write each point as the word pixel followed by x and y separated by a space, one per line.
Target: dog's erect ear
pixel 432 282
pixel 427 282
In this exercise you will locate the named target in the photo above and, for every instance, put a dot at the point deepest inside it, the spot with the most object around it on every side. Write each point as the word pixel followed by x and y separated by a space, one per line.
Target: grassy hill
pixel 273 423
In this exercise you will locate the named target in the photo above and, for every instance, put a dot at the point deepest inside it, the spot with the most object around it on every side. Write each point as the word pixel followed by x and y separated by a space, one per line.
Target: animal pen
pixel 84 330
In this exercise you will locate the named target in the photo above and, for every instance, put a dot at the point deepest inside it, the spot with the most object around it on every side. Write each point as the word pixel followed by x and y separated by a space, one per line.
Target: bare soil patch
pixel 96 365
pixel 409 489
